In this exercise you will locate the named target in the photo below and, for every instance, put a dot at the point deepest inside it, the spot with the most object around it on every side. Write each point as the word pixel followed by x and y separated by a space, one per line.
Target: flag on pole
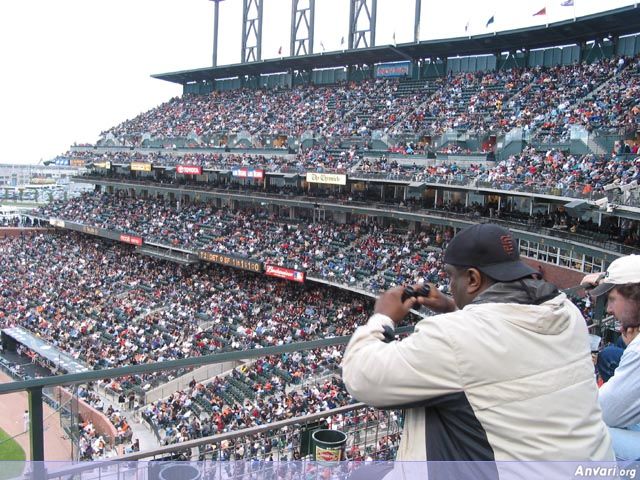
pixel 567 3
pixel 342 41
pixel 394 38
pixel 466 27
pixel 280 50
pixel 490 21
pixel 322 46
pixel 541 12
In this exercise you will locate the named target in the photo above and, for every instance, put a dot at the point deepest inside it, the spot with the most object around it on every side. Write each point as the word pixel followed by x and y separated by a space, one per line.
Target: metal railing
pixel 35 386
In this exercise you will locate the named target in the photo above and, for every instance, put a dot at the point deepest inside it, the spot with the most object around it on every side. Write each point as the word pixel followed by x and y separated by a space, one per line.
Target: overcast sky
pixel 72 68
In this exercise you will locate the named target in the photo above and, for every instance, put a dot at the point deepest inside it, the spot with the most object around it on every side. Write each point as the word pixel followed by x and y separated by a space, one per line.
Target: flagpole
pixel 546 16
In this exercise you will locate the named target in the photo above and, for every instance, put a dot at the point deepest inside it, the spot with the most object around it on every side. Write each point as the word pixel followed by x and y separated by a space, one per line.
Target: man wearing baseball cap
pixel 503 373
pixel 619 397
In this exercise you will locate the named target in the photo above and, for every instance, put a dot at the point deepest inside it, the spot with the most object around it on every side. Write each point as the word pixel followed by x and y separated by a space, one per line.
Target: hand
pixel 390 304
pixel 438 301
pixel 591 280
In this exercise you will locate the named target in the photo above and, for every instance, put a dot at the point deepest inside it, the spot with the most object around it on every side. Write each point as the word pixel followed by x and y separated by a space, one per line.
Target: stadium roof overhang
pixel 614 23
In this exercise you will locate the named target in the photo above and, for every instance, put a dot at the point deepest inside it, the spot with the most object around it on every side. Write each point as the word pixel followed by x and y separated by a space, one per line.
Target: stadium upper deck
pixel 545 101
pixel 308 99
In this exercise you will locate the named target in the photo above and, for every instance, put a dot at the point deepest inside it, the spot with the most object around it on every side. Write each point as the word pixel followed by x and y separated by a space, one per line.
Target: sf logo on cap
pixel 507 244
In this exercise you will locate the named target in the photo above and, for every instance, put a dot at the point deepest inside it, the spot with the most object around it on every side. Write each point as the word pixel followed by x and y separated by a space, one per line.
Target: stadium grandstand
pixel 195 302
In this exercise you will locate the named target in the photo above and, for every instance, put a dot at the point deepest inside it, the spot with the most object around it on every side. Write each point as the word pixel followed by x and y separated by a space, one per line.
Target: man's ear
pixel 474 280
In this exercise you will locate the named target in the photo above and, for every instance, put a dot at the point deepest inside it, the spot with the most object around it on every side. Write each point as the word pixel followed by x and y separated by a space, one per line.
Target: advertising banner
pixel 329 178
pixel 140 167
pixel 189 170
pixel 285 273
pixel 231 261
pixel 397 69
pixel 248 173
pixel 105 165
pixel 132 239
pixel 77 162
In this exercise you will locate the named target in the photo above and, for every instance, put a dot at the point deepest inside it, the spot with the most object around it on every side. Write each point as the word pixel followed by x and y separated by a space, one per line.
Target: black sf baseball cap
pixel 489 248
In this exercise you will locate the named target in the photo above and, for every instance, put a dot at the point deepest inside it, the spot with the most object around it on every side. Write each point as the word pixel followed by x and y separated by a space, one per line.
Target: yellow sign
pixel 330 178
pixel 140 167
pixel 105 165
pixel 231 261
pixel 77 162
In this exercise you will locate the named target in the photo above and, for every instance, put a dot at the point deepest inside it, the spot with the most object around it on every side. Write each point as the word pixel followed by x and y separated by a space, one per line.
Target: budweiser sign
pixel 189 170
pixel 132 239
pixel 285 273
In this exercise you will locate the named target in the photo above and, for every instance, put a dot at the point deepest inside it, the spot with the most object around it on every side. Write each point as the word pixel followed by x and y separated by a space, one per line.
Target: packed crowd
pixel 568 174
pixel 325 111
pixel 108 307
pixel 265 392
pixel 611 110
pixel 271 389
pixel 481 103
pixel 584 174
pixel 362 254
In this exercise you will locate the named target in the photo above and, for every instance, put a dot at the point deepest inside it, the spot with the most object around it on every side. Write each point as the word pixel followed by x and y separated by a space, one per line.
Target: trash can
pixel 329 446
pixel 179 471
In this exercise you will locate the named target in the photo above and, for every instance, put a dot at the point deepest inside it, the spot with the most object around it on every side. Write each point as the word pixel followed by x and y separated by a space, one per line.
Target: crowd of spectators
pixel 552 172
pixel 363 253
pixel 480 103
pixel 108 307
pixel 613 109
pixel 271 389
pixel 568 174
pixel 342 109
pixel 93 445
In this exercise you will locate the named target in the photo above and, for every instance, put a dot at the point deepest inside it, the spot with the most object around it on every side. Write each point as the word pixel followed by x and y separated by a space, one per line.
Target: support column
pixel 36 424
pixel 252 31
pixel 416 23
pixel 292 213
pixel 367 35
pixel 216 16
pixel 302 15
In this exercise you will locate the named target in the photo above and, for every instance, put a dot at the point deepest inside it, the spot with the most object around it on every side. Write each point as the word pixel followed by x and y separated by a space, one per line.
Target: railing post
pixel 36 424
